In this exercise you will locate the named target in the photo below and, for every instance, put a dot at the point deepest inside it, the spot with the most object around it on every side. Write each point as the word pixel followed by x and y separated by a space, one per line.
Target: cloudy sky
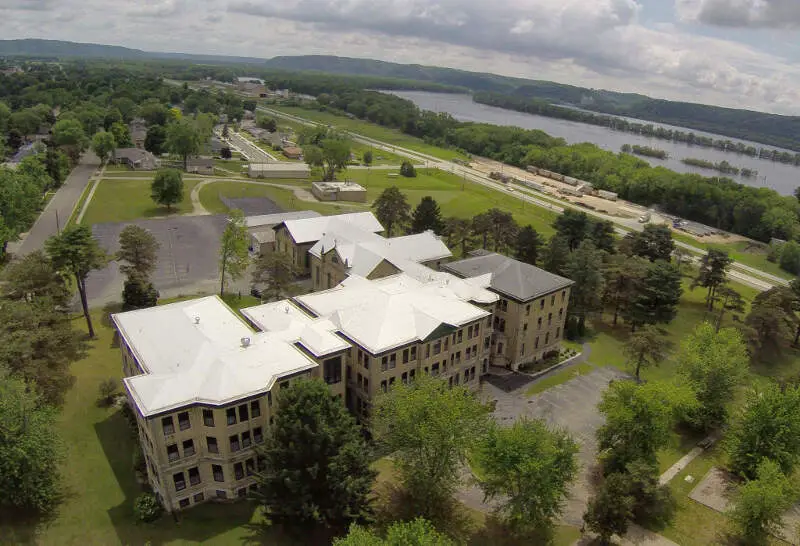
pixel 740 53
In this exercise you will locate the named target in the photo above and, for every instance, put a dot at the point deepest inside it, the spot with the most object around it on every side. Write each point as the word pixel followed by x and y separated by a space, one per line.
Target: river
pixel 778 176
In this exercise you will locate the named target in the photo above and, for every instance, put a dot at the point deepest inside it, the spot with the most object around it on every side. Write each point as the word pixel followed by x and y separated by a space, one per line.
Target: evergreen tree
pixel 771 321
pixel 392 209
pixel 139 250
pixel 556 256
pixel 528 245
pixel 459 233
pixel 654 243
pixel 574 226
pixel 623 276
pixel 427 216
pixel 138 293
pixel 315 465
pixel 408 170
pixel 602 235
pixel 646 347
pixel 611 508
pixel 482 227
pixel 657 296
pixel 584 267
pixel 713 273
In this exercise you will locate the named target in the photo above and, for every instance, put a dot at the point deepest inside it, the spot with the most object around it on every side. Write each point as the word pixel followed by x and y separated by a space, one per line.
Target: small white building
pixel 281 169
pixel 339 191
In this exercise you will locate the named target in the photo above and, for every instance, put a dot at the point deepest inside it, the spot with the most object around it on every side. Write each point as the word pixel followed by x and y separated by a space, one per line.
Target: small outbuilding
pixel 281 169
pixel 339 191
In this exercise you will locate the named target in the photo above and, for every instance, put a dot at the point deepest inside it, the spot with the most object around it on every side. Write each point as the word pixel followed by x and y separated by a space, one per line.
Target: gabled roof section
pixel 510 277
pixel 309 230
pixel 200 351
pixel 273 219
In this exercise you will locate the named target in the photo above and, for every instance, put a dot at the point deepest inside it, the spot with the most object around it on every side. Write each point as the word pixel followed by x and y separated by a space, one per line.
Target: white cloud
pixel 741 13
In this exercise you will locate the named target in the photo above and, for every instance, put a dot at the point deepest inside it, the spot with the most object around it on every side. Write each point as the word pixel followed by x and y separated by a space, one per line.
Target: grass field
pixel 124 200
pixel 379 157
pixel 371 130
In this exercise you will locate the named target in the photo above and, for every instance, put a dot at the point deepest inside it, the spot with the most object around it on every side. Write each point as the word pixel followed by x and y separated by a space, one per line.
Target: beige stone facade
pixel 528 331
pixel 197 453
pixel 299 252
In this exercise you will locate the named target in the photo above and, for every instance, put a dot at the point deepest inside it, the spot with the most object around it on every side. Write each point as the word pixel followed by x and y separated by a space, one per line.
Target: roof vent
pixel 286 309
pixel 197 320
pixel 245 342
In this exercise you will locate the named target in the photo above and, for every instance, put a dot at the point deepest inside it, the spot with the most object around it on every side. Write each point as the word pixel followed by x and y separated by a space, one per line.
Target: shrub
pixel 408 170
pixel 146 508
pixel 107 390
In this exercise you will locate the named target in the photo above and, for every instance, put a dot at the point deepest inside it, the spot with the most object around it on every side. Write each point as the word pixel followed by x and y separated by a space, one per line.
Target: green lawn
pixel 379 157
pixel 210 196
pixel 125 200
pixel 371 130
pixel 234 165
pixel 446 188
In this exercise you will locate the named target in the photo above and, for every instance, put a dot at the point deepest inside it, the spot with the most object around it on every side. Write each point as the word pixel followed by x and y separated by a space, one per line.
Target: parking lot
pixel 252 206
pixel 571 406
pixel 187 260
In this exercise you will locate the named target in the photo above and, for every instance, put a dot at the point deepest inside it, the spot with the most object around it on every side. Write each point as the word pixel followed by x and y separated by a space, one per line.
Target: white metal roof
pixel 273 219
pixel 313 229
pixel 384 314
pixel 279 166
pixel 193 352
pixel 285 320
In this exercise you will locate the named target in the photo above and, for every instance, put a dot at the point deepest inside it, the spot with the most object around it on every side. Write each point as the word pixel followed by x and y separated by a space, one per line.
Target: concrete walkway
pixel 56 214
pixel 684 461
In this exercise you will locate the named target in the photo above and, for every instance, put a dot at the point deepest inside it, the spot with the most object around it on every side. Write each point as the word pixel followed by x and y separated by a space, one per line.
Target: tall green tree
pixel 654 243
pixel 418 532
pixel 56 163
pixel 790 257
pixel 528 245
pixel 33 278
pixel 585 268
pixel 138 248
pixel 771 321
pixel 335 155
pixel 315 464
pixel 68 134
pixel 713 273
pixel 429 428
pixel 574 226
pixel 459 233
pixel 646 347
pixel 761 504
pixel 427 216
pixel 657 296
pixel 392 209
pixel 768 427
pixel 504 229
pixel 183 139
pixel 609 511
pixel 103 144
pixel 556 256
pixel 623 276
pixel 233 254
pixel 482 227
pixel 155 140
pixel 138 293
pixel 712 363
pixel 408 170
pixel 730 300
pixel 528 467
pixel 76 252
pixel 167 188
pixel 602 234
pixel 367 158
pixel 122 134
pixel 276 271
pixel 30 448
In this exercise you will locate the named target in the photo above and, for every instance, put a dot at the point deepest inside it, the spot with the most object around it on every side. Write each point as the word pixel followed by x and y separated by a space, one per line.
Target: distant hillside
pixel 57 49
pixel 771 129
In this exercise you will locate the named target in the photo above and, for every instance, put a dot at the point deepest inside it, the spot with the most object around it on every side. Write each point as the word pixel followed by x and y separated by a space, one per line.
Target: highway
pixel 750 276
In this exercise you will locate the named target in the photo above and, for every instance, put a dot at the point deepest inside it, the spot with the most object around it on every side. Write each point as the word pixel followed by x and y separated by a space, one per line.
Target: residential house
pixel 138 129
pixel 292 152
pixel 136 159
pixel 200 165
pixel 530 315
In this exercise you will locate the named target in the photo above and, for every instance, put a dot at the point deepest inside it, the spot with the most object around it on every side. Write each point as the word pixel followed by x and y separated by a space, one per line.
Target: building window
pixel 392 361
pixel 332 370
pixel 168 426
pixel 536 343
pixel 528 310
pixel 405 356
pixel 560 312
pixel 366 384
pixel 428 350
pixel 255 409
pixel 243 413
pixel 194 476
pixel 199 497
pixel 212 445
pixel 230 414
pixel 563 295
pixel 349 373
pixel 414 352
pixel 558 332
pixel 552 300
pixel 384 386
pixel 486 342
pixel 242 493
pixel 411 375
pixel 384 363
pixel 188 448
pixel 250 467
pixel 391 381
pixel 547 338
pixel 468 352
pixel 208 417
pixel 246 442
pixel 221 494
pixel 180 483
pixel 460 336
pixel 549 319
pixel 525 327
pixel 330 284
pixel 539 323
pixel 447 342
pixel 404 378
pixel 234 442
pixel 183 503
pixel 238 471
pixel 258 437
pixel 469 332
pixel 499 348
pixel 522 350
pixel 455 378
pixel 183 420
pixel 435 370
pixel 172 452
pixel 219 476
pixel 437 347
pixel 269 399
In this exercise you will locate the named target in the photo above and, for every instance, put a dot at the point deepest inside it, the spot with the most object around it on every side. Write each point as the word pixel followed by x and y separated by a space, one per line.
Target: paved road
pixel 252 152
pixel 761 280
pixel 57 212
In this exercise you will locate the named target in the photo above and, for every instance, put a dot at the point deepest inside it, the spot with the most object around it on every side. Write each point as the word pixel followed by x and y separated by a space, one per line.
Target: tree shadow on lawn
pixel 23 527
pixel 202 523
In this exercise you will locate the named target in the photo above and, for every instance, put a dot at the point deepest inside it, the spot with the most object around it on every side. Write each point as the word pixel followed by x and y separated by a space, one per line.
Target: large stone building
pixel 204 385
pixel 530 315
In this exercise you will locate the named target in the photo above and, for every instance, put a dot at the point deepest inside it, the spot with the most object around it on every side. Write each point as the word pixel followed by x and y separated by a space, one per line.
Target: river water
pixel 778 176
